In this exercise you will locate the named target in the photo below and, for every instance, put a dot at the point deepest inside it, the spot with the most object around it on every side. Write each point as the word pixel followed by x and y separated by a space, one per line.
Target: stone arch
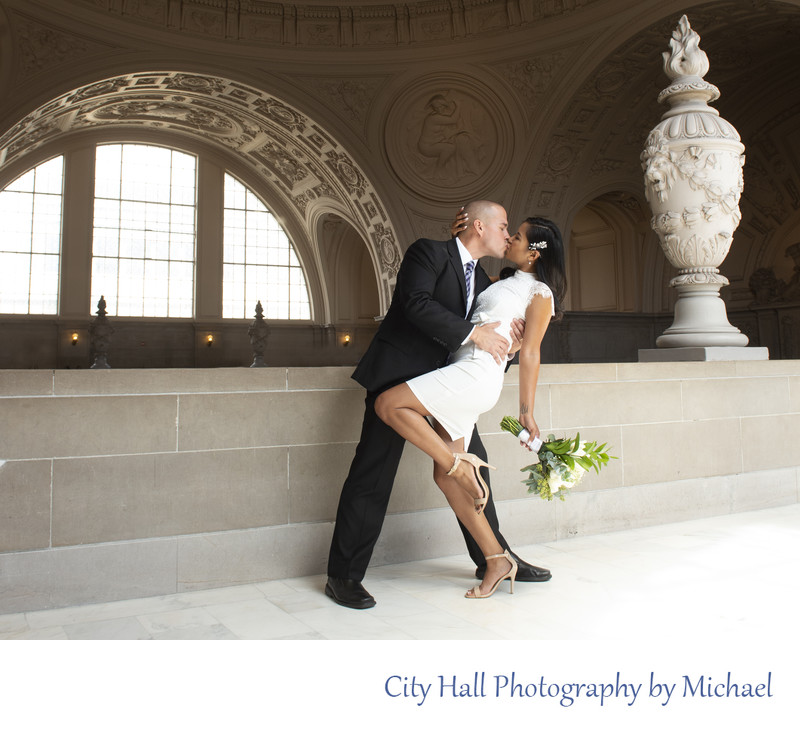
pixel 349 270
pixel 608 247
pixel 295 157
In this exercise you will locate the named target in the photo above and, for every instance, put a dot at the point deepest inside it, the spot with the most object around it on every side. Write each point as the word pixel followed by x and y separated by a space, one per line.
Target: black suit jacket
pixel 424 323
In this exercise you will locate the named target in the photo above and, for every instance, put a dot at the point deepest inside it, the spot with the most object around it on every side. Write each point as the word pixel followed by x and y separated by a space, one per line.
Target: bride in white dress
pixel 458 393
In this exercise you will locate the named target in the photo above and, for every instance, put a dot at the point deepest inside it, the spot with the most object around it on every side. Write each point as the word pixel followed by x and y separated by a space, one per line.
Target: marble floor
pixel 733 575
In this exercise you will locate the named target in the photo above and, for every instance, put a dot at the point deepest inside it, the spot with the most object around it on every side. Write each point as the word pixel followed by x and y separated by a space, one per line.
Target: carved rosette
pixel 692 164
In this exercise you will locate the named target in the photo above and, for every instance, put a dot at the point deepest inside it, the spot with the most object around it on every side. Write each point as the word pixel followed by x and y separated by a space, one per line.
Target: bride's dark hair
pixel 550 266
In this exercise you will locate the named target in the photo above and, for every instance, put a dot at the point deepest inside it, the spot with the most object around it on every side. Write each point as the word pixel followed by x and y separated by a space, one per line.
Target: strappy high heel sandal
pixel 477 463
pixel 511 575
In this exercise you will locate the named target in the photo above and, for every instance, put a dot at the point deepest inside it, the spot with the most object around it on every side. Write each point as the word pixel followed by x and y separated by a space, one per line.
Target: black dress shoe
pixel 349 593
pixel 525 572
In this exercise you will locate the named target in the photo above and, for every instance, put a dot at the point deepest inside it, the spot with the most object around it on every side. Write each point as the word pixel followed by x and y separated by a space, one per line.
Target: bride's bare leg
pixel 464 508
pixel 400 409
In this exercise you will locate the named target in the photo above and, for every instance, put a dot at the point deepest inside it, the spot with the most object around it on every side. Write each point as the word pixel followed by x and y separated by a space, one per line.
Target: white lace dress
pixel 458 393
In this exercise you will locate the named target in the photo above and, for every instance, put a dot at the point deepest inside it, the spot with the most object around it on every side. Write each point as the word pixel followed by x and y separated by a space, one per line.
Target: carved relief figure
pixel 448 141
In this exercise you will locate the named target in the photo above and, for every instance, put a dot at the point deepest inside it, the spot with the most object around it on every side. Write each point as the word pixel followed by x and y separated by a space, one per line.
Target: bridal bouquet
pixel 562 461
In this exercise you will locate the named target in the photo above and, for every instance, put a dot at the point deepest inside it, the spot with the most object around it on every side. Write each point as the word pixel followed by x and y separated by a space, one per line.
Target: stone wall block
pixel 23 382
pixel 794 394
pixel 663 452
pixel 770 443
pixel 243 420
pixel 152 495
pixel 732 398
pixel 169 381
pixel 24 505
pixel 239 557
pixel 414 488
pixel 50 427
pixel 585 513
pixel 316 475
pixel 589 404
pixel 38 580
pixel 766 488
pixel 312 377
pixel 571 373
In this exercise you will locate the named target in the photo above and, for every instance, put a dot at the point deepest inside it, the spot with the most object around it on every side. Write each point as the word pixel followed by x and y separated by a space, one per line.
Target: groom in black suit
pixel 426 322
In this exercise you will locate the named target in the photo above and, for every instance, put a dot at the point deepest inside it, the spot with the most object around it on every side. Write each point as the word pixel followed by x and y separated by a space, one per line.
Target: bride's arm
pixel 537 318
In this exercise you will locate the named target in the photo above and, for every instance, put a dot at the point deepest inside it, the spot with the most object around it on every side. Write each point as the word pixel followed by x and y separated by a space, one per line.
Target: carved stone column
pixel 692 165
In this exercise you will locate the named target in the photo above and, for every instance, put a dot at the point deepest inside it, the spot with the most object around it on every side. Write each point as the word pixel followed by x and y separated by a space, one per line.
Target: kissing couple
pixel 441 353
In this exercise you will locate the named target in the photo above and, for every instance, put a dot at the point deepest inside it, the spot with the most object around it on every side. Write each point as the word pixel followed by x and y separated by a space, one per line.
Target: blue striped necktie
pixel 469 267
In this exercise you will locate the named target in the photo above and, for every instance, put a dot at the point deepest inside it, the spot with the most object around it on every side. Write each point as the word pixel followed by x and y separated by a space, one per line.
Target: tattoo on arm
pixel 523 409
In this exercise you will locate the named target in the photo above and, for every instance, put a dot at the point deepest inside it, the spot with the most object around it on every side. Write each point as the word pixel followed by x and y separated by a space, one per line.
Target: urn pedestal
pixel 692 165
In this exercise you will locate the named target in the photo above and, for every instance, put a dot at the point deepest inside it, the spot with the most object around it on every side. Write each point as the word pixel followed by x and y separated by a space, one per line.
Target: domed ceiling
pixel 553 99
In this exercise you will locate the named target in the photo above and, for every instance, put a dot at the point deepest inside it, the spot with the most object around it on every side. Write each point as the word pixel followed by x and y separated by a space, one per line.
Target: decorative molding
pixel 350 97
pixel 362 25
pixel 41 47
pixel 532 77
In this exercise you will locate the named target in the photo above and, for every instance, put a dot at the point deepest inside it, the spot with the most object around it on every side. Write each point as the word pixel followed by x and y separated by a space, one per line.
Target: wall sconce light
pixel 346 340
pixel 74 338
pixel 210 340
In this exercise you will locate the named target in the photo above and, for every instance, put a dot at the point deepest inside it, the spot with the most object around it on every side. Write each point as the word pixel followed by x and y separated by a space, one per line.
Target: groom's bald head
pixel 487 229
pixel 483 209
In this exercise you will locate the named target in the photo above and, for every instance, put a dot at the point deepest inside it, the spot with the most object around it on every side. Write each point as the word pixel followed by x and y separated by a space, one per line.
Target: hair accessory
pixel 538 246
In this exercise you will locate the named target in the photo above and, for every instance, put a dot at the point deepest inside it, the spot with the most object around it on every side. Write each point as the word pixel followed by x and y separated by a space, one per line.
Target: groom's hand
pixel 487 338
pixel 517 334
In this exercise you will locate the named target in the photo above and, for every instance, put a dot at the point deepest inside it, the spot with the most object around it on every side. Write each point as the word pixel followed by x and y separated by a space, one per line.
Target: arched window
pixel 140 207
pixel 30 213
pixel 259 261
pixel 144 230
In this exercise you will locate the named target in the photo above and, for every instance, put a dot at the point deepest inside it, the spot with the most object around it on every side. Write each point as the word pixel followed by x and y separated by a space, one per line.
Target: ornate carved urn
pixel 692 165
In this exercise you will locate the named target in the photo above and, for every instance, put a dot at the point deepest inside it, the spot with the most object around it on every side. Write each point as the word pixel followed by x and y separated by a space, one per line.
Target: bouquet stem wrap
pixel 534 444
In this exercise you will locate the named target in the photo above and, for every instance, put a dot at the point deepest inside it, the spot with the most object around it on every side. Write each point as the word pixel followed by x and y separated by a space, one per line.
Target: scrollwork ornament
pixel 282 114
pixel 195 83
pixel 387 249
pixel 347 173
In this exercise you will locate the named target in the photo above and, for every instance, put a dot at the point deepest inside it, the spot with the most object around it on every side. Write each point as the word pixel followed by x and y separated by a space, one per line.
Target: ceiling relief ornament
pixel 282 114
pixel 176 111
pixel 448 139
pixel 203 20
pixel 352 98
pixel 42 47
pixel 692 163
pixel 389 255
pixel 298 158
pixel 530 78
pixel 153 11
pixel 357 25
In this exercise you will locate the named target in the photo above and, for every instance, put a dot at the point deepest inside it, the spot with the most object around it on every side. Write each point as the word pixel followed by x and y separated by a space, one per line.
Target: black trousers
pixel 365 498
